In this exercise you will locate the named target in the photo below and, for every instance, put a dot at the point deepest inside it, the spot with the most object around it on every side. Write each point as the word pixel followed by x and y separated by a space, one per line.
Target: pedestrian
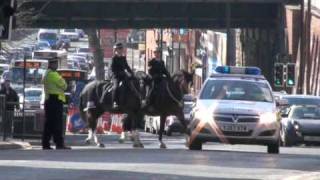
pixel 120 70
pixel 54 87
pixel 12 101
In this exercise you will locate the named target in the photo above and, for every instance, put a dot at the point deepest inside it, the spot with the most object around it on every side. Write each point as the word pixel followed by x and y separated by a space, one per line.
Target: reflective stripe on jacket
pixel 54 84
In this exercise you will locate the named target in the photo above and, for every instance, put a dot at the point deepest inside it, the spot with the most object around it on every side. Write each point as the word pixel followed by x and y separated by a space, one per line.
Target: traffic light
pixel 278 74
pixel 6 11
pixel 291 67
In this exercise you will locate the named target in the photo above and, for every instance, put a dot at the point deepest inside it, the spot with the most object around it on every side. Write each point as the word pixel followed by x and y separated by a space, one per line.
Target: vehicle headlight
pixel 203 115
pixel 268 118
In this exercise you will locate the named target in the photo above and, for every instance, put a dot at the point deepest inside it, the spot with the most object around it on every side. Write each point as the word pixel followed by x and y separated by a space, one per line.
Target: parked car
pixel 301 125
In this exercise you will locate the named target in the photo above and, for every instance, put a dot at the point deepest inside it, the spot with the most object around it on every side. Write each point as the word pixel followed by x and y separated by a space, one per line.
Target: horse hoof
pixel 87 142
pixel 121 141
pixel 139 145
pixel 163 146
pixel 101 145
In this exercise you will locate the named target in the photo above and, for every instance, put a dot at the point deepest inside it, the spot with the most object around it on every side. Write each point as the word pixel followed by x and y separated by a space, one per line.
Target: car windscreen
pixel 237 90
pixel 305 113
pixel 51 36
pixel 302 101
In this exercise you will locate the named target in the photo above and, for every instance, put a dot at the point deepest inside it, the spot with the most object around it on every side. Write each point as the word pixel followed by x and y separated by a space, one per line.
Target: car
pixel 33 97
pixel 300 99
pixel 301 125
pixel 27 51
pixel 64 41
pixel 50 36
pixel 235 106
pixel 42 45
pixel 72 34
pixel 83 62
pixel 3 68
pixel 152 124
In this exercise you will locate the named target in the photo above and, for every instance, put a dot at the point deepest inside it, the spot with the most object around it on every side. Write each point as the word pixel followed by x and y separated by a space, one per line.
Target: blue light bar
pixel 238 70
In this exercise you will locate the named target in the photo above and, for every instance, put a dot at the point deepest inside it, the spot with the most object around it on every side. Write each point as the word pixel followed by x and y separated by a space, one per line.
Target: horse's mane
pixel 178 76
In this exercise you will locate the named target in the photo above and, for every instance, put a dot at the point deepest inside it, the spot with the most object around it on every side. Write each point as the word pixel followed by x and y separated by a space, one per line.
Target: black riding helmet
pixel 118 46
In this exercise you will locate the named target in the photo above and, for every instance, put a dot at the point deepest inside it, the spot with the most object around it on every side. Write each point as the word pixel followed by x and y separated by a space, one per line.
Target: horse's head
pixel 183 79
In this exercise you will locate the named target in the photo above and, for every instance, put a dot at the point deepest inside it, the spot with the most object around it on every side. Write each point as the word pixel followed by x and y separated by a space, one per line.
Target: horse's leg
pixel 162 122
pixel 182 120
pixel 135 133
pixel 180 116
pixel 88 116
pixel 124 133
pixel 84 117
pixel 92 119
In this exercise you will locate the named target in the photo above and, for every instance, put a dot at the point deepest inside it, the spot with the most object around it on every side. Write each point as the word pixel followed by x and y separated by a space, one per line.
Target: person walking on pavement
pixel 12 101
pixel 120 70
pixel 54 87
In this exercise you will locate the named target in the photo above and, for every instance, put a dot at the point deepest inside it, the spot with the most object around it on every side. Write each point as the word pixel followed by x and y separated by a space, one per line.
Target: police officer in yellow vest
pixel 54 87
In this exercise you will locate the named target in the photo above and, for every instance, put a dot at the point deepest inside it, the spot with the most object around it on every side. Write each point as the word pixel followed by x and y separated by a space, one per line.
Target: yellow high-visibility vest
pixel 54 84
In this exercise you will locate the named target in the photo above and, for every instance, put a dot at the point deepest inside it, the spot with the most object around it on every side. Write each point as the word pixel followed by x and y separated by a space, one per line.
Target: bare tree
pixel 94 43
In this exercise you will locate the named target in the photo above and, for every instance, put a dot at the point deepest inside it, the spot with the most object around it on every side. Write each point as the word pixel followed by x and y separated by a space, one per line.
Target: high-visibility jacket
pixel 54 84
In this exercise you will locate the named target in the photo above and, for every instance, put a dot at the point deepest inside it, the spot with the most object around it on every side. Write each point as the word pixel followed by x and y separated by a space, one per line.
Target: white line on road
pixel 169 169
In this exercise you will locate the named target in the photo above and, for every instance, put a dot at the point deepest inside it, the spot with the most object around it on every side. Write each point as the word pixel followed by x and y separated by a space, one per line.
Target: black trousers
pixel 53 126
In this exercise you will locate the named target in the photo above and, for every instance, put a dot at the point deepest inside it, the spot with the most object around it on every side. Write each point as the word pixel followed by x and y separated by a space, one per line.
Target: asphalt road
pixel 121 161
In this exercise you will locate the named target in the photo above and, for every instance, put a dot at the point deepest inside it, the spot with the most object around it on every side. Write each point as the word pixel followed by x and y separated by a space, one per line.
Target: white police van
pixel 235 106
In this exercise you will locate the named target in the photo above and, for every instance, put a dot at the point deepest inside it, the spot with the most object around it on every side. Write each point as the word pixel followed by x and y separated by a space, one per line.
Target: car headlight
pixel 203 115
pixel 268 118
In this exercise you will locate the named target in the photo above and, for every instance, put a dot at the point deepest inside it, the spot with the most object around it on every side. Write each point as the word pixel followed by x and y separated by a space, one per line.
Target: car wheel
pixel 273 148
pixel 285 139
pixel 195 145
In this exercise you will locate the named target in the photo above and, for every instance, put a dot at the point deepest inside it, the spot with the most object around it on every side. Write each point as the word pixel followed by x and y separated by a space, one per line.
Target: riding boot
pixel 113 94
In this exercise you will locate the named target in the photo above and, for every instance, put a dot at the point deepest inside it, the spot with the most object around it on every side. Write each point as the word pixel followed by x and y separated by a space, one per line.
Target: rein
pixel 180 103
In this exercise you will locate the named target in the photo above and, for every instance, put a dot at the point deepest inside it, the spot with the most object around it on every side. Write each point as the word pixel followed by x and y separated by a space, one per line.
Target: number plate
pixel 234 128
pixel 312 138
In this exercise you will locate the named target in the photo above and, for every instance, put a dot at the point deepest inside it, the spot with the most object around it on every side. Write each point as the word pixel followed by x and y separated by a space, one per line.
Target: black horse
pixel 95 99
pixel 167 99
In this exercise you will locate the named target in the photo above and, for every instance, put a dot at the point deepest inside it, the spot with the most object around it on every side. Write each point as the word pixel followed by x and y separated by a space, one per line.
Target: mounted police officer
pixel 157 70
pixel 54 87
pixel 120 70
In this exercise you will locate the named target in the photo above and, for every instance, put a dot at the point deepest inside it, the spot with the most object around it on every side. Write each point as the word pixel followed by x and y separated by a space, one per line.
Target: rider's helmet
pixel 118 45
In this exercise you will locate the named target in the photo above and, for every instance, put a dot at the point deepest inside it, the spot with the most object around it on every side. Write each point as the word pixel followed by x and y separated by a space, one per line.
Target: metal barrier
pixel 22 123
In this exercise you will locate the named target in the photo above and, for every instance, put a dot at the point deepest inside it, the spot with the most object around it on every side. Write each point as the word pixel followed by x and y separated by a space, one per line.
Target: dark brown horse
pixel 167 99
pixel 95 99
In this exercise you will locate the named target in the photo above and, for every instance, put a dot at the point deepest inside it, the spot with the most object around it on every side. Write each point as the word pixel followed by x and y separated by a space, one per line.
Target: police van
pixel 235 106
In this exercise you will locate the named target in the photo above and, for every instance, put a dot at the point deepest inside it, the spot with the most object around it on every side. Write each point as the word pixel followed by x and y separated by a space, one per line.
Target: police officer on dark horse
pixel 100 96
pixel 165 94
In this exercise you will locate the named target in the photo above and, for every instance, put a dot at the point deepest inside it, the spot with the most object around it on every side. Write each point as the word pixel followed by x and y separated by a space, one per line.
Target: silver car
pixel 235 109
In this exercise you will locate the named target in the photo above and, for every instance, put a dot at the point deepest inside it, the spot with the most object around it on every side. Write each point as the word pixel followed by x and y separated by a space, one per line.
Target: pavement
pixel 14 144
pixel 70 140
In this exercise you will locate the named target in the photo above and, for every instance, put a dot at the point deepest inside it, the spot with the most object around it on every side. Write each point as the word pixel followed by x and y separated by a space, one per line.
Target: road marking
pixel 191 170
